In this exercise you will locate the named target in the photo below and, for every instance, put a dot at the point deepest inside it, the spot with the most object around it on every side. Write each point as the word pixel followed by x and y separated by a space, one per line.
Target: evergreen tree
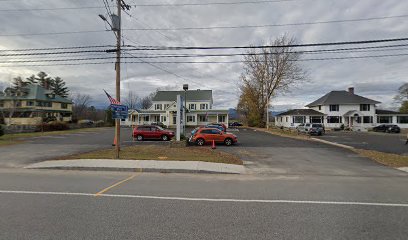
pixel 59 88
pixel 31 79
pixel 19 83
pixel 44 80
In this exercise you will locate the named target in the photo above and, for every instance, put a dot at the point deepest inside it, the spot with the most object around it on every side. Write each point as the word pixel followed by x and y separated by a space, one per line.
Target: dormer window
pixel 158 107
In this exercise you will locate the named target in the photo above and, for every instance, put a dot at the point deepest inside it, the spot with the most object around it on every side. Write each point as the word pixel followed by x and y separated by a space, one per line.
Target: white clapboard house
pixel 199 105
pixel 342 108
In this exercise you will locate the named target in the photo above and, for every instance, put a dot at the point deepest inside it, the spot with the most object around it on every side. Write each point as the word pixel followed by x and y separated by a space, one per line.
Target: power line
pixel 54 48
pixel 159 48
pixel 202 62
pixel 267 25
pixel 151 5
pixel 209 28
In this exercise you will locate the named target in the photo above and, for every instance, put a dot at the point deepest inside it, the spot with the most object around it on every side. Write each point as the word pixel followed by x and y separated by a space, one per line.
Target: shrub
pixel 99 123
pixel 53 126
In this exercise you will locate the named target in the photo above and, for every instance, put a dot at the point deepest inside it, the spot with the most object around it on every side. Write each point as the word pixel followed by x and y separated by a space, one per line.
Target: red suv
pixel 152 132
pixel 207 135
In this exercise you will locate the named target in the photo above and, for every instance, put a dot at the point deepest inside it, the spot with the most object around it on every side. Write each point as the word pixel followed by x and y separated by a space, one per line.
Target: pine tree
pixel 44 80
pixel 58 87
pixel 31 79
pixel 19 83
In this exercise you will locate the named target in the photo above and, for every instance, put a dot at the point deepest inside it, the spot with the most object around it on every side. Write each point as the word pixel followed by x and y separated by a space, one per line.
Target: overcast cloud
pixel 378 78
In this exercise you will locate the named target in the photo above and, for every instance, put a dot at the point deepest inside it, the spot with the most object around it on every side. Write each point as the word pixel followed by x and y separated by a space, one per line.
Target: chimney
pixel 351 90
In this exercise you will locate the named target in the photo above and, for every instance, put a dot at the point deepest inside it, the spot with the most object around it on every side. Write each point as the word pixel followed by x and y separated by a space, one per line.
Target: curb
pixel 332 143
pixel 140 166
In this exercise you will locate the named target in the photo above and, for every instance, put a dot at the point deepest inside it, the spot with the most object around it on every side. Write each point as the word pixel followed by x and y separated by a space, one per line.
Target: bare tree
pixel 131 100
pixel 81 104
pixel 267 72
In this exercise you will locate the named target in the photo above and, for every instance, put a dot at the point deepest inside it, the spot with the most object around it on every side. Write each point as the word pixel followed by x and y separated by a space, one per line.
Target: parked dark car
pixel 387 128
pixel 215 126
pixel 152 132
pixel 160 124
pixel 221 125
pixel 311 128
pixel 235 124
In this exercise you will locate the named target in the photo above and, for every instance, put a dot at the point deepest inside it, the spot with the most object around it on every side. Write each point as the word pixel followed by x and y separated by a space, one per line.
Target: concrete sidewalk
pixel 140 165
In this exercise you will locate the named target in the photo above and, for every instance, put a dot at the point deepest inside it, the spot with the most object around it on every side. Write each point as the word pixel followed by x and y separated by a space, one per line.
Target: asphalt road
pixel 297 190
pixel 54 146
pixel 264 153
pixel 63 205
pixel 383 142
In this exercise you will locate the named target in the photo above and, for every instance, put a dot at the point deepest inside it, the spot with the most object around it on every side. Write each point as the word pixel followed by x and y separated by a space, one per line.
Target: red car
pixel 208 135
pixel 152 132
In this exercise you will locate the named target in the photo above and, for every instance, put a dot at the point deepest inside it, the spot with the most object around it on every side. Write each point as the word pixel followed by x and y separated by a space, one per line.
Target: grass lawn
pixel 388 159
pixel 152 152
pixel 15 138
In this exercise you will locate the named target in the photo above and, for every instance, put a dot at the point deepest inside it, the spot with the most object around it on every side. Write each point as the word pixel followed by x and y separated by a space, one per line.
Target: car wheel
pixel 165 138
pixel 228 141
pixel 200 142
pixel 139 138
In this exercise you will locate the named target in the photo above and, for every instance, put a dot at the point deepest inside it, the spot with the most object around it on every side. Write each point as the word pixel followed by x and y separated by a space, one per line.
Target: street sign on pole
pixel 119 111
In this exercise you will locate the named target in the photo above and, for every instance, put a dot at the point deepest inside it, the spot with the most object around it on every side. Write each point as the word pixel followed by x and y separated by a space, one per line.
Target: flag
pixel 111 99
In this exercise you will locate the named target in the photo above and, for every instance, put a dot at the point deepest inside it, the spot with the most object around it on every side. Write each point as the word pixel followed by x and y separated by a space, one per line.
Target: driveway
pixel 383 142
pixel 265 153
pixel 50 147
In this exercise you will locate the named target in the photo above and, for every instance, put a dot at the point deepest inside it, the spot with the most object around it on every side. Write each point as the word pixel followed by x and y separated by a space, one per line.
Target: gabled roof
pixel 191 95
pixel 36 92
pixel 341 97
pixel 301 112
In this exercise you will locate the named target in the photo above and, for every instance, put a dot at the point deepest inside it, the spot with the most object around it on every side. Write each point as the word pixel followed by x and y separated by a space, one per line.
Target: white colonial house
pixel 199 105
pixel 342 108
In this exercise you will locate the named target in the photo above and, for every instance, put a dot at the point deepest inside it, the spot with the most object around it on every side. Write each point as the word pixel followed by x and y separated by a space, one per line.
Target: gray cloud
pixel 378 78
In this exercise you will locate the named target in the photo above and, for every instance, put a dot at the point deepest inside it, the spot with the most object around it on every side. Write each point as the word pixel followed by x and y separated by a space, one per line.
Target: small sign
pixel 119 111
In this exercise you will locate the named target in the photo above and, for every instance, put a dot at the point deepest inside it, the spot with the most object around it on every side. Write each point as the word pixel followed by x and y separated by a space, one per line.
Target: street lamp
pixel 185 88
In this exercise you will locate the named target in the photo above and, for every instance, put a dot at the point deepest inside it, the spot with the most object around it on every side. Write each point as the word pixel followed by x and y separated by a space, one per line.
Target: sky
pixel 376 78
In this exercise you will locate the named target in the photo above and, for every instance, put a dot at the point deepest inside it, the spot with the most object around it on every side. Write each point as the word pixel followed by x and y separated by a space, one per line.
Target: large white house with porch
pixel 339 109
pixel 198 103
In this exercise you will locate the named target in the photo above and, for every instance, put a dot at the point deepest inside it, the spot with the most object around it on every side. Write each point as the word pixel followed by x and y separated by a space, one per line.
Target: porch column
pixel 217 118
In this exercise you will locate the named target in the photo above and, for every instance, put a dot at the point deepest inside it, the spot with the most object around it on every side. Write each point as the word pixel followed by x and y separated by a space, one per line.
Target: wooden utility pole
pixel 117 67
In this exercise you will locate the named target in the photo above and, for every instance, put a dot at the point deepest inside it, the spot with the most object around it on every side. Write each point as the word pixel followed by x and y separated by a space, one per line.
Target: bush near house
pixel 53 126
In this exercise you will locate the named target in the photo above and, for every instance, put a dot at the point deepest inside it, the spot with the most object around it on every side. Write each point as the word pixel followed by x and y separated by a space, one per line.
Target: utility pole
pixel 117 67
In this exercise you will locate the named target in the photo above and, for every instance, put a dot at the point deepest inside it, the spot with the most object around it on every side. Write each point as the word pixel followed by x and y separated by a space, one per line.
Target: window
pixel 316 119
pixel 163 119
pixel 44 104
pixel 144 128
pixel 29 103
pixel 1 103
pixel 367 119
pixel 221 118
pixel 320 107
pixel 64 105
pixel 156 118
pixel 287 119
pixel 334 119
pixel 299 119
pixel 203 106
pixel 281 119
pixel 202 118
pixel 384 119
pixel 18 104
pixel 158 107
pixel 174 119
pixel 334 108
pixel 192 106
pixel 207 131
pixel 364 107
pixel 402 119
pixel 215 131
pixel 146 118
pixel 190 118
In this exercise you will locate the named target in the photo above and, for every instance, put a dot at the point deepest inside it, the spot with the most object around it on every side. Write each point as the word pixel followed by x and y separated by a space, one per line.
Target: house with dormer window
pixel 32 104
pixel 339 109
pixel 198 105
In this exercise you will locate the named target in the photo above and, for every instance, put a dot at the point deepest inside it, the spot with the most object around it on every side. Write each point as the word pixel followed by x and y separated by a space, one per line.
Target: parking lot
pixel 383 142
pixel 264 153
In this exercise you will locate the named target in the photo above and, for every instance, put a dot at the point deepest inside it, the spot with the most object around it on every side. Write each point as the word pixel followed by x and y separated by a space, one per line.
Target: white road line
pixel 210 199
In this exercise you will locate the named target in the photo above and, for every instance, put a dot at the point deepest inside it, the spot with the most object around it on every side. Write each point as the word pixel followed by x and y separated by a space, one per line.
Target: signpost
pixel 119 111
